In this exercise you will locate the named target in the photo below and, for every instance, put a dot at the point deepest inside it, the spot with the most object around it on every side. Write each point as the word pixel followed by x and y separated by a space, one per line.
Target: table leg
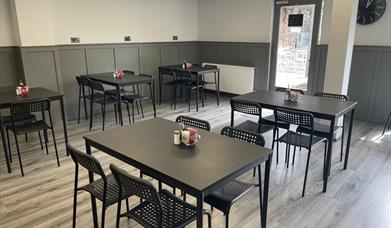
pixel 119 105
pixel 93 200
pixel 160 87
pixel 152 88
pixel 64 121
pixel 265 192
pixel 200 210
pixel 327 167
pixel 345 165
pixel 218 87
pixel 5 146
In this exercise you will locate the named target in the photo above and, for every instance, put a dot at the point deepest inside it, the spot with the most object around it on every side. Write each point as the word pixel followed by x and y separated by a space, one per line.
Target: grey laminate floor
pixel 357 197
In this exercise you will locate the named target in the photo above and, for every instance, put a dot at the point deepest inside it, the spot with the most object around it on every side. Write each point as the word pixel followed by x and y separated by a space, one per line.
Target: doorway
pixel 295 32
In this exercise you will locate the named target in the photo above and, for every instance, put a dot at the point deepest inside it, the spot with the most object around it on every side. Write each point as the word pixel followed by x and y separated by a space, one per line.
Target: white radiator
pixel 233 79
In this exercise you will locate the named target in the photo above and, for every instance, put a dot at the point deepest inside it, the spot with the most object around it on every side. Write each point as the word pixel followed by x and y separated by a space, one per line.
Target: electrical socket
pixel 75 40
pixel 127 38
pixel 175 37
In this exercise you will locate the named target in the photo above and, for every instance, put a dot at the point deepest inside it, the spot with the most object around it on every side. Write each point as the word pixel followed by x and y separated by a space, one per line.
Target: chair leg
pixel 45 135
pixel 254 172
pixel 294 154
pixel 17 149
pixel 115 113
pixel 209 219
pixel 203 97
pixel 9 145
pixel 55 147
pixel 175 97
pixel 184 196
pixel 102 225
pixel 91 113
pixel 325 154
pixel 40 139
pixel 103 116
pixel 78 109
pixel 127 204
pixel 385 125
pixel 74 202
pixel 306 172
pixel 133 112
pixel 141 108
pixel 127 108
pixel 287 155
pixel 189 97
pixel 227 220
pixel 26 138
pixel 119 213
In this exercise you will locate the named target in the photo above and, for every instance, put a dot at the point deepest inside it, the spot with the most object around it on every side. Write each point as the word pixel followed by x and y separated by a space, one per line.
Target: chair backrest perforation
pixel 193 122
pixel 294 117
pixel 246 107
pixel 282 89
pixel 332 96
pixel 86 160
pixel 25 107
pixel 95 85
pixel 242 135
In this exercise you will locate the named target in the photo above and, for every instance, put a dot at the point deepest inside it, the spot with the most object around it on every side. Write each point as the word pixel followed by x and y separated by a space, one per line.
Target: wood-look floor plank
pixel 357 197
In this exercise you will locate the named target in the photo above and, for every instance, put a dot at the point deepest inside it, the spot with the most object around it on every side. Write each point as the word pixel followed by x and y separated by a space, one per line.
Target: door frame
pixel 314 41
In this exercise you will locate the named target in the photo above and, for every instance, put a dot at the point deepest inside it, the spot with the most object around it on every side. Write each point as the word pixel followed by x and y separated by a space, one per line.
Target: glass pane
pixel 294 46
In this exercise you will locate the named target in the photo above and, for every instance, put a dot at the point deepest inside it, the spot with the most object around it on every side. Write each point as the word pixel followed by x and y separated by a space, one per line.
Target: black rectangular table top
pixel 9 96
pixel 149 145
pixel 318 106
pixel 195 69
pixel 128 79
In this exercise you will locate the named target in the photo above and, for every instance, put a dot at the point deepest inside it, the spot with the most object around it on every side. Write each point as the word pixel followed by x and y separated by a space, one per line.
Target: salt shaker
pixel 177 137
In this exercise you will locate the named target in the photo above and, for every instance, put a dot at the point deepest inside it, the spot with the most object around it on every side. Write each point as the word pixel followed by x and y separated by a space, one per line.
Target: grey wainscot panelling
pixel 9 67
pixel 239 53
pixel 56 67
pixel 370 80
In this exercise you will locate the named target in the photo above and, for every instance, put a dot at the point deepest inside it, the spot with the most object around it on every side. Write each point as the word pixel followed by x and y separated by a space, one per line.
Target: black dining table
pixel 319 107
pixel 128 80
pixel 196 70
pixel 8 96
pixel 198 170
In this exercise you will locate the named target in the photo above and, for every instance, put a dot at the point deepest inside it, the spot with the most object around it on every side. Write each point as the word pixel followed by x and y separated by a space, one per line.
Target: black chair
pixel 301 119
pixel 104 189
pixel 157 209
pixel 19 120
pixel 189 86
pixel 193 122
pixel 136 98
pixel 173 84
pixel 322 130
pixel 214 82
pixel 100 96
pixel 26 108
pixel 224 197
pixel 250 108
pixel 388 122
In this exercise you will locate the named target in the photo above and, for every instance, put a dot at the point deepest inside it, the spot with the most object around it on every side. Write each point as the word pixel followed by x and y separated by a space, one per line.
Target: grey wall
pixel 56 67
pixel 370 80
pixel 239 53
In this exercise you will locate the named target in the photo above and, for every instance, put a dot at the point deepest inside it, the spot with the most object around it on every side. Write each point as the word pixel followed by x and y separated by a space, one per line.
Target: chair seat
pixel 271 121
pixel 176 212
pixel 296 139
pixel 114 91
pixel 252 126
pixel 320 130
pixel 189 84
pixel 176 82
pixel 18 119
pixel 108 100
pixel 225 196
pixel 97 96
pixel 96 189
pixel 132 97
pixel 30 127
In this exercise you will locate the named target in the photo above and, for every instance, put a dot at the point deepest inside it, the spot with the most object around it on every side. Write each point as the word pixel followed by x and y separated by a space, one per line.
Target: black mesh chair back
pixel 303 119
pixel 246 107
pixel 25 107
pixel 136 186
pixel 95 85
pixel 83 81
pixel 332 96
pixel 193 122
pixel 282 89
pixel 242 135
pixel 85 160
